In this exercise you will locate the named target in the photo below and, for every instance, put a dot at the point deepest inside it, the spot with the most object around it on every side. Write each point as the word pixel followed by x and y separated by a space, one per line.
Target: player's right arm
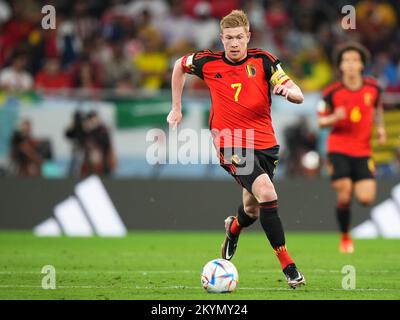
pixel 177 84
pixel 326 120
pixel 328 115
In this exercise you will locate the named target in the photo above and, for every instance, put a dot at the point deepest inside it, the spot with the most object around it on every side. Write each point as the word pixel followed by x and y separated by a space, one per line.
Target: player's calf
pixel 273 229
pixel 343 215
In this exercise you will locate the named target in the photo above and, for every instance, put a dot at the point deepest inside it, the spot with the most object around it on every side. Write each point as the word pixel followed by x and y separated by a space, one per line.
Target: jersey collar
pixel 234 63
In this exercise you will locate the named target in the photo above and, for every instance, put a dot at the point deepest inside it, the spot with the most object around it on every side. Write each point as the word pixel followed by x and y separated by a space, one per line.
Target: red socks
pixel 281 251
pixel 346 236
pixel 235 227
pixel 283 256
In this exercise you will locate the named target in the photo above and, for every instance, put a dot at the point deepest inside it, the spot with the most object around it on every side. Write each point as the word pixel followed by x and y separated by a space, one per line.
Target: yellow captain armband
pixel 279 77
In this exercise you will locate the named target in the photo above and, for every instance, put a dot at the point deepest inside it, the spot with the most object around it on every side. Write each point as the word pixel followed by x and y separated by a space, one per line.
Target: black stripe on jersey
pixel 256 51
pixel 202 54
pixel 331 89
pixel 200 59
pixel 270 67
pixel 327 94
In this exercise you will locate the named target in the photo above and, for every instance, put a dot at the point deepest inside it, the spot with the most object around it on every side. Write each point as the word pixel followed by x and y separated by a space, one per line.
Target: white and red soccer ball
pixel 219 276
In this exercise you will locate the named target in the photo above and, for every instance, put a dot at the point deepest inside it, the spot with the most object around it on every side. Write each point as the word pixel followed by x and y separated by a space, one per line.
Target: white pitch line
pixel 143 272
pixel 176 287
pixel 106 272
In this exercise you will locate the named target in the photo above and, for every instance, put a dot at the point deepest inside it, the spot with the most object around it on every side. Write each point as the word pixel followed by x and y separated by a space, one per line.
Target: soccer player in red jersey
pixel 349 107
pixel 241 81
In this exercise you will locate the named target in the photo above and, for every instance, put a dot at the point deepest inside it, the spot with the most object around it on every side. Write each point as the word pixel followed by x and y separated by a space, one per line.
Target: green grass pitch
pixel 167 265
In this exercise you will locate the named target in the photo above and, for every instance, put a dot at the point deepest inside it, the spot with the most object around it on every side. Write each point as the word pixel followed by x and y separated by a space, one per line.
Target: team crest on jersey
pixel 368 99
pixel 251 70
pixel 235 160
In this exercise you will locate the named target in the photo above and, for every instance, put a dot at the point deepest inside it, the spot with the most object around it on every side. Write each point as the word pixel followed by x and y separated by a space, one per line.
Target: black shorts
pixel 356 168
pixel 264 161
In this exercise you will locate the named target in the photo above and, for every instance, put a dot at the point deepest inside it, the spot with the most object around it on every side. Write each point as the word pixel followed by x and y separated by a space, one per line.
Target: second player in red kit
pixel 352 134
pixel 350 106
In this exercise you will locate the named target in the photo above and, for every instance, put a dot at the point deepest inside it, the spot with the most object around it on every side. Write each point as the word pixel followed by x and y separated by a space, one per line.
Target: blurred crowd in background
pixel 92 149
pixel 121 47
pixel 127 45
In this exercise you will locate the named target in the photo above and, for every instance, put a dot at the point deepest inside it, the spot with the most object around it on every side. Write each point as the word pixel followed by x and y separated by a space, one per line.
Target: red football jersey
pixel 352 135
pixel 240 96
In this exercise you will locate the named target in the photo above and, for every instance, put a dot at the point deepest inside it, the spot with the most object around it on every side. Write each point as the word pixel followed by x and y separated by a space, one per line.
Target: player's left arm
pixel 290 91
pixel 380 123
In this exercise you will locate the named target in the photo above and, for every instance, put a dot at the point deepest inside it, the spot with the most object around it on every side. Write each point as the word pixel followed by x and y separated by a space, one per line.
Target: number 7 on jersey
pixel 238 87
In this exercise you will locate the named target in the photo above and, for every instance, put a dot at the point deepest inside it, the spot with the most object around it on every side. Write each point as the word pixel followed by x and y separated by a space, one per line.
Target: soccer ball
pixel 219 276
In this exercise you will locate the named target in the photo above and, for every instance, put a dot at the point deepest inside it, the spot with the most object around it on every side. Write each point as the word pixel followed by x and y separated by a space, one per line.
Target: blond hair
pixel 237 18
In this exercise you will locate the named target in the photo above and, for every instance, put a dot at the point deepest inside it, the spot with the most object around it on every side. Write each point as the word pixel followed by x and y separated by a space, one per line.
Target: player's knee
pixel 344 197
pixel 365 200
pixel 266 194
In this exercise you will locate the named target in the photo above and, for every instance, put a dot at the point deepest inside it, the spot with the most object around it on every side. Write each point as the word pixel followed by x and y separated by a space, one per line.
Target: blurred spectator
pixel 309 15
pixel 219 8
pixel 144 22
pixel 177 30
pixel 152 63
pixel 51 77
pixel 377 21
pixel 392 168
pixel 16 30
pixel 76 134
pixel 300 140
pixel 311 69
pixel 276 15
pixel 286 28
pixel 67 41
pixel 30 10
pixel 92 151
pixel 395 165
pixel 255 12
pixel 15 78
pixel 302 37
pixel 85 74
pixel 2 52
pixel 24 151
pixel 5 11
pixel 324 38
pixel 386 68
pixel 115 27
pixel 205 28
pixel 85 24
pixel 5 15
pixel 99 157
pixel 120 65
pixel 124 85
pixel 100 52
pixel 131 42
pixel 157 8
